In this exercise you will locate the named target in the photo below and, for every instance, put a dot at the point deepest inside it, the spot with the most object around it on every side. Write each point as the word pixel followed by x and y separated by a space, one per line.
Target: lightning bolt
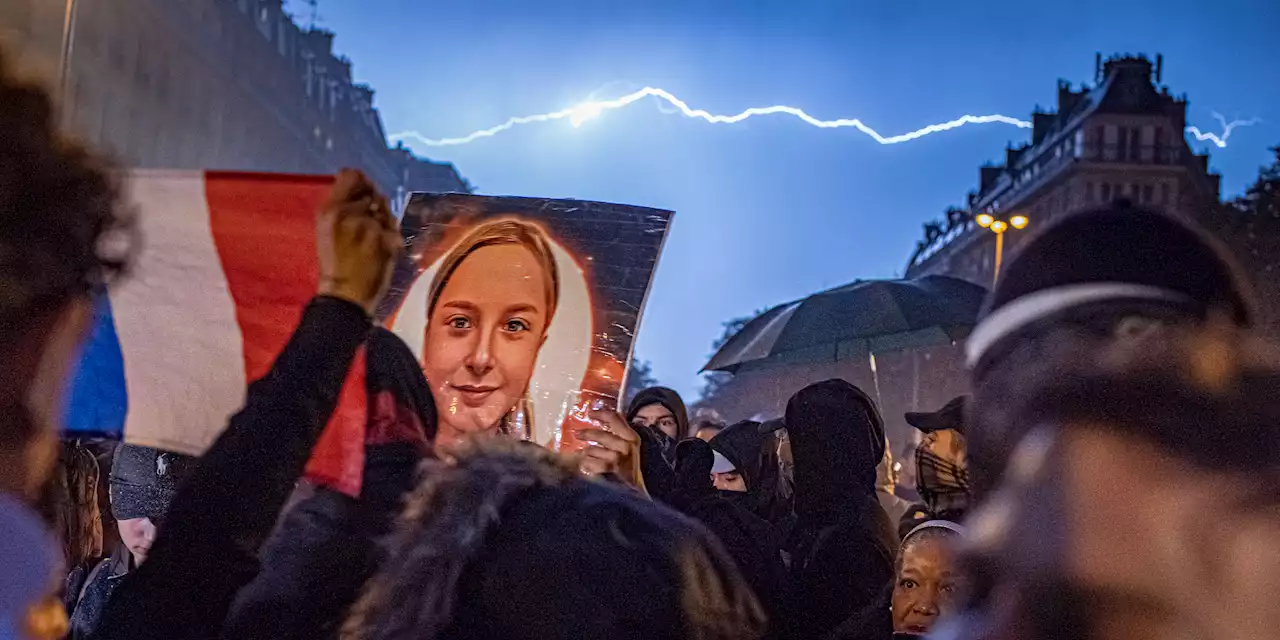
pixel 1227 127
pixel 591 109
pixel 581 113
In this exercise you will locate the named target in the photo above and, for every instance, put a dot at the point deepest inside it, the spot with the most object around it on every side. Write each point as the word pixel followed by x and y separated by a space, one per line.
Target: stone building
pixel 1122 138
pixel 212 84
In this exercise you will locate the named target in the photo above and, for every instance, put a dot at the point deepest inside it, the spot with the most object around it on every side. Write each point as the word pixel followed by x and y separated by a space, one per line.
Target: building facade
pixel 1122 138
pixel 212 84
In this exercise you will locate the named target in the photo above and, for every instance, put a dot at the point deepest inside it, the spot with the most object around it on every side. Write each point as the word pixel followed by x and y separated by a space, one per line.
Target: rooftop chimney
pixel 1159 68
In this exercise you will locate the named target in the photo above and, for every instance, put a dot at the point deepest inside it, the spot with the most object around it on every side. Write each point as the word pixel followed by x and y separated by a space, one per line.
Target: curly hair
pixel 63 231
pixel 458 527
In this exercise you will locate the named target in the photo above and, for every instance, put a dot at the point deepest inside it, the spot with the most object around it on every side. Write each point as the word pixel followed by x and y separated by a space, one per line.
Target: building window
pixel 1164 194
pixel 1148 194
pixel 1106 192
pixel 1088 192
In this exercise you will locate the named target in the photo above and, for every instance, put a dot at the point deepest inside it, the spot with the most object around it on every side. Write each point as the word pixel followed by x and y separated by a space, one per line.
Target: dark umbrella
pixel 867 316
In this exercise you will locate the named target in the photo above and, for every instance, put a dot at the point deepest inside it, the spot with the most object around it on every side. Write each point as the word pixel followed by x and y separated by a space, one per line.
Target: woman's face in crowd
pixel 658 417
pixel 137 534
pixel 729 481
pixel 927 586
pixel 483 337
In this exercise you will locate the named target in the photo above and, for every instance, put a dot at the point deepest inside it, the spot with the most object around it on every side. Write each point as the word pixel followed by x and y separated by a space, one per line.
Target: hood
pixel 400 405
pixel 740 443
pixel 837 440
pixel 665 397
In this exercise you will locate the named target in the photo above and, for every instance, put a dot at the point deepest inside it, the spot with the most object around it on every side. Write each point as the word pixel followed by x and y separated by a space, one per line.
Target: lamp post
pixel 998 227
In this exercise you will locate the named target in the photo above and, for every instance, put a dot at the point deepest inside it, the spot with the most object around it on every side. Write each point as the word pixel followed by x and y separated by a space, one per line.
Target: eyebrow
pixel 523 308
pixel 460 304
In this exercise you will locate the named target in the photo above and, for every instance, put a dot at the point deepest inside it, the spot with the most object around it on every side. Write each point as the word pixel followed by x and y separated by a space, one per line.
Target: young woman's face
pixel 927 587
pixel 483 337
pixel 730 481
pixel 137 534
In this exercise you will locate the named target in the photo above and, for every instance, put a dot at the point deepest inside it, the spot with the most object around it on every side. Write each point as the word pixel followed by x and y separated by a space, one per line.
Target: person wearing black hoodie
pixel 743 446
pixel 659 417
pixel 751 541
pixel 841 546
pixel 327 545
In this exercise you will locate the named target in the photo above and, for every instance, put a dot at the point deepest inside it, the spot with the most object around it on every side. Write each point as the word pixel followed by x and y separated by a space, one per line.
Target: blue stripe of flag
pixel 97 399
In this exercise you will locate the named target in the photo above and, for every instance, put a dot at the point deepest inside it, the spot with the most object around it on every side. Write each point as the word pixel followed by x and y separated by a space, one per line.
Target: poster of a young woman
pixel 522 310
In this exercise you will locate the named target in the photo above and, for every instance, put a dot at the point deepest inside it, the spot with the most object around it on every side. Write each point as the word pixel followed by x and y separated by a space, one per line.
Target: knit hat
pixel 1128 259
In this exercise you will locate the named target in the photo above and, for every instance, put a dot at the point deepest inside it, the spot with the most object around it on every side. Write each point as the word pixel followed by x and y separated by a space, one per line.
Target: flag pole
pixel 64 69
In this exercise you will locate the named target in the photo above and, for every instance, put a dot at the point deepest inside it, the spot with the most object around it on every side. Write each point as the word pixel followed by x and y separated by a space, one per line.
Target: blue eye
pixel 516 326
pixel 459 322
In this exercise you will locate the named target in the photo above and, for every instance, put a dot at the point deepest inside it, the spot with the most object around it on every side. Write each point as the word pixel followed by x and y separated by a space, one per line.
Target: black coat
pixel 839 547
pixel 749 539
pixel 327 545
pixel 89 594
pixel 208 549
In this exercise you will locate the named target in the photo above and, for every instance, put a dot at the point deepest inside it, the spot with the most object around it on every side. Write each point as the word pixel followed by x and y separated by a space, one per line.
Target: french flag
pixel 228 262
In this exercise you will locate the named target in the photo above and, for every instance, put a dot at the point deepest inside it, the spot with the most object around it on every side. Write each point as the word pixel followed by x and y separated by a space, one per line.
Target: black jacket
pixel 749 539
pixel 327 545
pixel 89 595
pixel 208 548
pixel 840 558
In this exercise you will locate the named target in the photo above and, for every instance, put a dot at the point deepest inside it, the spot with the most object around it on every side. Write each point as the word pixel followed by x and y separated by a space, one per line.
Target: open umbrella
pixel 867 316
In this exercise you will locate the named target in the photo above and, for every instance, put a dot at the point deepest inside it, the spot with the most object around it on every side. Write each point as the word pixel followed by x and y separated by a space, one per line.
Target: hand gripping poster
pixel 521 311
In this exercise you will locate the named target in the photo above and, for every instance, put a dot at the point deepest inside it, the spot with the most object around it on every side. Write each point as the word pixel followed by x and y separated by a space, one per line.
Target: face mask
pixel 943 485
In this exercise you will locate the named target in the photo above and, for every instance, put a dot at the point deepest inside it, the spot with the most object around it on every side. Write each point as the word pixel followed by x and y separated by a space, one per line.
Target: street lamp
pixel 998 227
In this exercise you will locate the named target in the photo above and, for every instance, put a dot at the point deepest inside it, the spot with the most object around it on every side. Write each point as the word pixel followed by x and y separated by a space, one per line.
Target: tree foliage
pixel 714 381
pixel 639 377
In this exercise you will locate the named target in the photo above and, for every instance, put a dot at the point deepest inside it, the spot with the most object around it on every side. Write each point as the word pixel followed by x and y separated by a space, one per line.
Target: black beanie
pixel 1116 254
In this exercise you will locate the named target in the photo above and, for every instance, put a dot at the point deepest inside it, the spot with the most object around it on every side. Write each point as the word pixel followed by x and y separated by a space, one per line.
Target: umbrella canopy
pixel 865 316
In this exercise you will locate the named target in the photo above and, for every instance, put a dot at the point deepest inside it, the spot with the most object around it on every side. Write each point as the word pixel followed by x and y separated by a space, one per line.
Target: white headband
pixel 1042 304
pixel 935 524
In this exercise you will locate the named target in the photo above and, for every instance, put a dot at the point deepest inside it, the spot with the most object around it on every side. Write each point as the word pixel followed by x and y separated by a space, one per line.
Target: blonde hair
pixel 502 231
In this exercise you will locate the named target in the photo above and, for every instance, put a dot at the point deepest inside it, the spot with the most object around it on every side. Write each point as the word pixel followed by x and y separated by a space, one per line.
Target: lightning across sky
pixel 582 112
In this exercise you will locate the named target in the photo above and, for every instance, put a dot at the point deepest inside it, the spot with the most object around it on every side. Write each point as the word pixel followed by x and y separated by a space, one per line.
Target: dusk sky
pixel 772 209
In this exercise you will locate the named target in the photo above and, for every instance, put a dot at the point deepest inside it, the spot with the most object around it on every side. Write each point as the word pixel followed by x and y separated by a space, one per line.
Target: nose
pixel 927 606
pixel 480 360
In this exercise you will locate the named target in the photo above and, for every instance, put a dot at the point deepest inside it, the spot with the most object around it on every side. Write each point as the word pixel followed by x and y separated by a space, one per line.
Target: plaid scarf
pixel 943 485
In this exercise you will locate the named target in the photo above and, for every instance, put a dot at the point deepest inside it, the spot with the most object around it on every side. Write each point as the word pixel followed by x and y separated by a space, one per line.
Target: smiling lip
pixel 474 395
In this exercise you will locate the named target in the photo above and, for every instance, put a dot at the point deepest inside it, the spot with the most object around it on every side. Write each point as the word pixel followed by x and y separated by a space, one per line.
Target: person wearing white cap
pixel 725 475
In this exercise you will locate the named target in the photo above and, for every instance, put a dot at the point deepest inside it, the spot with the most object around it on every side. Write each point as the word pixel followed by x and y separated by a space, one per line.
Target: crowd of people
pixel 1114 473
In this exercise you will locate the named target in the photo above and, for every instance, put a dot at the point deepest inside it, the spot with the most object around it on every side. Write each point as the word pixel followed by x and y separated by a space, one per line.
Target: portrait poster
pixel 523 311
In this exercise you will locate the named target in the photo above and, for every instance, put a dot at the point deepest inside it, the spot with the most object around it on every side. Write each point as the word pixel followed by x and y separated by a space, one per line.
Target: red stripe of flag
pixel 264 229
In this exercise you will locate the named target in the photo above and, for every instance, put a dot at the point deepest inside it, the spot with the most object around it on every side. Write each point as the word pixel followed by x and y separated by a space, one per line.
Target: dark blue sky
pixel 772 209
